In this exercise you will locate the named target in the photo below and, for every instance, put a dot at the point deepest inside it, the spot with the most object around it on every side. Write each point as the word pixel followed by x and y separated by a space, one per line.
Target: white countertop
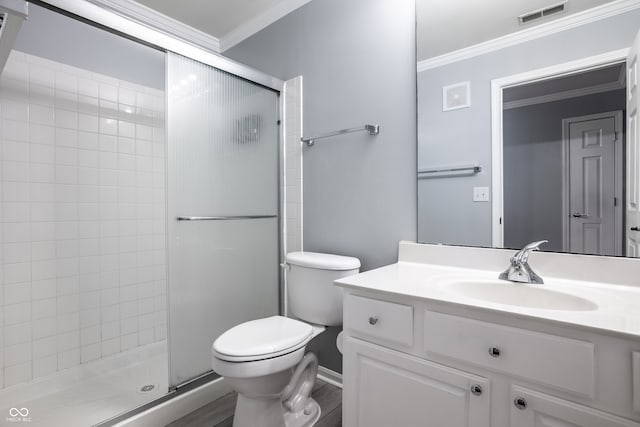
pixel 618 306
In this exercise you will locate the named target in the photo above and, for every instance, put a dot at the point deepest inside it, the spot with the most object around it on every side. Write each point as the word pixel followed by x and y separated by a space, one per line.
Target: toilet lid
pixel 263 336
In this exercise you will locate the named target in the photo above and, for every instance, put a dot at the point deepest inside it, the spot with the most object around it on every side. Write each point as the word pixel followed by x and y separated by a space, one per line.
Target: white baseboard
pixel 179 406
pixel 329 376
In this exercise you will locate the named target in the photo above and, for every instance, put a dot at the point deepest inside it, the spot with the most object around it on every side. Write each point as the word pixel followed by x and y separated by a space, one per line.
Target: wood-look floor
pixel 219 413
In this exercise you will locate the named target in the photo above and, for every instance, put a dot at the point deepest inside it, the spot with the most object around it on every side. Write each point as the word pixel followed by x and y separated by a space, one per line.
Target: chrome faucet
pixel 519 270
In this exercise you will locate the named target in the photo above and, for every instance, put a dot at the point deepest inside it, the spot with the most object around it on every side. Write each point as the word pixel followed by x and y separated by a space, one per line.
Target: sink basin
pixel 518 294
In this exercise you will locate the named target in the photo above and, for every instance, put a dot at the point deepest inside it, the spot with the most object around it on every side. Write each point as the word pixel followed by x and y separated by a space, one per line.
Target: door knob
pixel 520 403
pixel 494 351
pixel 476 389
pixel 579 215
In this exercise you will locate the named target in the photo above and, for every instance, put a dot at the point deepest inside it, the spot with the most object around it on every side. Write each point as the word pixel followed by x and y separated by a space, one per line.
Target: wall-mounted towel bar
pixel 372 129
pixel 448 171
pixel 223 218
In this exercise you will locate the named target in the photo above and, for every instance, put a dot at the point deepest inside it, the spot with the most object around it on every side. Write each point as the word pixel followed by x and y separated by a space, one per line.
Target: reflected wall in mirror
pixel 541 148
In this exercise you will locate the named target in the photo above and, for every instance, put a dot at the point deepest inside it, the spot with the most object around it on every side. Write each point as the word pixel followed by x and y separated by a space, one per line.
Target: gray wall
pixel 57 37
pixel 447 212
pixel 533 166
pixel 357 59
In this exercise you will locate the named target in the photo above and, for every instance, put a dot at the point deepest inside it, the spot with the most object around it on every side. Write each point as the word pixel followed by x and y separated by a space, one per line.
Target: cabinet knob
pixel 520 403
pixel 373 320
pixel 635 228
pixel 476 389
pixel 494 351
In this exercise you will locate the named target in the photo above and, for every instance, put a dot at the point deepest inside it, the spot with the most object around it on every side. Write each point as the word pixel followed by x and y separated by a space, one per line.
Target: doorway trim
pixel 497 87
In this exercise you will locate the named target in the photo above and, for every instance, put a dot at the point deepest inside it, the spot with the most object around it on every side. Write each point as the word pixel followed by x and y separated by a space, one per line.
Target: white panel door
pixel 593 197
pixel 533 409
pixel 633 154
pixel 386 388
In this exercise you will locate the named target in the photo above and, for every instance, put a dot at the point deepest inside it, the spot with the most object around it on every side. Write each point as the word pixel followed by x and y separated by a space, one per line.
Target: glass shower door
pixel 222 209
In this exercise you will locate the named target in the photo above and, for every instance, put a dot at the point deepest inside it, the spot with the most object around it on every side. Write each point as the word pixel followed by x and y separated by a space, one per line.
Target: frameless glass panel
pixel 223 162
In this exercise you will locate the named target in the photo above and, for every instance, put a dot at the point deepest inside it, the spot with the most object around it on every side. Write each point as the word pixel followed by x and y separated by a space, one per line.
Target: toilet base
pixel 306 418
pixel 281 399
pixel 252 412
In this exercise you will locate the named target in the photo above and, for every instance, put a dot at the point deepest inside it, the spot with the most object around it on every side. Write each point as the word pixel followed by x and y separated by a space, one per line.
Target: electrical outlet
pixel 480 194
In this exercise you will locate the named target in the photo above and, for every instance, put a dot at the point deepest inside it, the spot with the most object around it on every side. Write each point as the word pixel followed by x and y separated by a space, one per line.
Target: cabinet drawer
pixel 533 409
pixel 636 381
pixel 383 321
pixel 553 361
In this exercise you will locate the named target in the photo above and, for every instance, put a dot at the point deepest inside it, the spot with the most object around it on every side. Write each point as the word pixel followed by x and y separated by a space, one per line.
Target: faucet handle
pixel 534 246
pixel 522 255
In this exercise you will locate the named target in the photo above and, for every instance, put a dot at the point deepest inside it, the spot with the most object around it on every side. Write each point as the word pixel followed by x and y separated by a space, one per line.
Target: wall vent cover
pixel 525 18
pixel 456 96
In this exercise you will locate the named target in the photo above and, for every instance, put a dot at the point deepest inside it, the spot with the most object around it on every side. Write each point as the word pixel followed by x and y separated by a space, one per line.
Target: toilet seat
pixel 262 339
pixel 257 368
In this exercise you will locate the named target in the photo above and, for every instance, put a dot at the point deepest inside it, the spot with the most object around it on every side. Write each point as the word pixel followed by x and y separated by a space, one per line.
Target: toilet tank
pixel 312 297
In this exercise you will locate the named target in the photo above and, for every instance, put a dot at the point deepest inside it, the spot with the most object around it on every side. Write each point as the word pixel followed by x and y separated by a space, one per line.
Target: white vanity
pixel 436 340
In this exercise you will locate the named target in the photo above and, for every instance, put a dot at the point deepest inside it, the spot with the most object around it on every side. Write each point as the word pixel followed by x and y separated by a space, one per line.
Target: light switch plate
pixel 480 194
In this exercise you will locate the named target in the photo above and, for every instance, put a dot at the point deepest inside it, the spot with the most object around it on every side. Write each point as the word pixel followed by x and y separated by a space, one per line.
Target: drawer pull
pixel 494 351
pixel 373 320
pixel 476 389
pixel 520 403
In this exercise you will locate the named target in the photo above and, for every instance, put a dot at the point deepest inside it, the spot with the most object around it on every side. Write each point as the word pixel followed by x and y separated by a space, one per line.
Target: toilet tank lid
pixel 323 261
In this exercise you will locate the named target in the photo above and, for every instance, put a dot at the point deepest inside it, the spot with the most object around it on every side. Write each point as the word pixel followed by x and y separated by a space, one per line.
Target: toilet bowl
pixel 264 360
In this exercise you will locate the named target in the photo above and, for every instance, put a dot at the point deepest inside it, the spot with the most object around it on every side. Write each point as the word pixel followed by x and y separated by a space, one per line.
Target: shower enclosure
pixel 139 219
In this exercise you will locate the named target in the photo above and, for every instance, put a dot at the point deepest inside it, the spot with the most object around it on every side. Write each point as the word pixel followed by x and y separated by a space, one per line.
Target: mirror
pixel 522 125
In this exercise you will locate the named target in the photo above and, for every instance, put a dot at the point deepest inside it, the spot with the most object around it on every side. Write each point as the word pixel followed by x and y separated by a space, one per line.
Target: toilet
pixel 264 360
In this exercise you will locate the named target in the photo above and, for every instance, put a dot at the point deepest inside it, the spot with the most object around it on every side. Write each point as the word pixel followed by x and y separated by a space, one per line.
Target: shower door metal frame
pixel 99 14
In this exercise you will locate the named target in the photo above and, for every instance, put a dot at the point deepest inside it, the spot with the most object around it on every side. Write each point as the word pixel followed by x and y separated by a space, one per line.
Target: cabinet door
pixel 532 409
pixel 383 387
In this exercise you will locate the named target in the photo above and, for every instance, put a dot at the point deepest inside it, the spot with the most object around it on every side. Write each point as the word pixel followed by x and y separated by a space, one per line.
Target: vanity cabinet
pixel 533 409
pixel 388 388
pixel 420 363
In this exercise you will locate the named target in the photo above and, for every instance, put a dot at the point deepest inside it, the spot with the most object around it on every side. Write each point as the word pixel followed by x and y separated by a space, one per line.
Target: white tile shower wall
pixel 293 164
pixel 82 208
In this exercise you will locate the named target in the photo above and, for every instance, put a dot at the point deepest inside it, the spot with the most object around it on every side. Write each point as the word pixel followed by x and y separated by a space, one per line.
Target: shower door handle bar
pixel 223 218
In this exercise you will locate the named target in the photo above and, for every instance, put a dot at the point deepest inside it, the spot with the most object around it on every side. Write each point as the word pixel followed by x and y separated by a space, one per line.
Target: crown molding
pixel 558 96
pixel 251 27
pixel 561 24
pixel 157 21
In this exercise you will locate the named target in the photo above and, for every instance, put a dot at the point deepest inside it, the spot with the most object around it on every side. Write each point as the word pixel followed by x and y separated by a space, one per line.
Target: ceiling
pixel 236 19
pixel 443 25
pixel 608 77
pixel 448 25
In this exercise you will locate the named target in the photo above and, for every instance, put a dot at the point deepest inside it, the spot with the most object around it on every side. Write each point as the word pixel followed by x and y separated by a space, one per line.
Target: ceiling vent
pixel 541 13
